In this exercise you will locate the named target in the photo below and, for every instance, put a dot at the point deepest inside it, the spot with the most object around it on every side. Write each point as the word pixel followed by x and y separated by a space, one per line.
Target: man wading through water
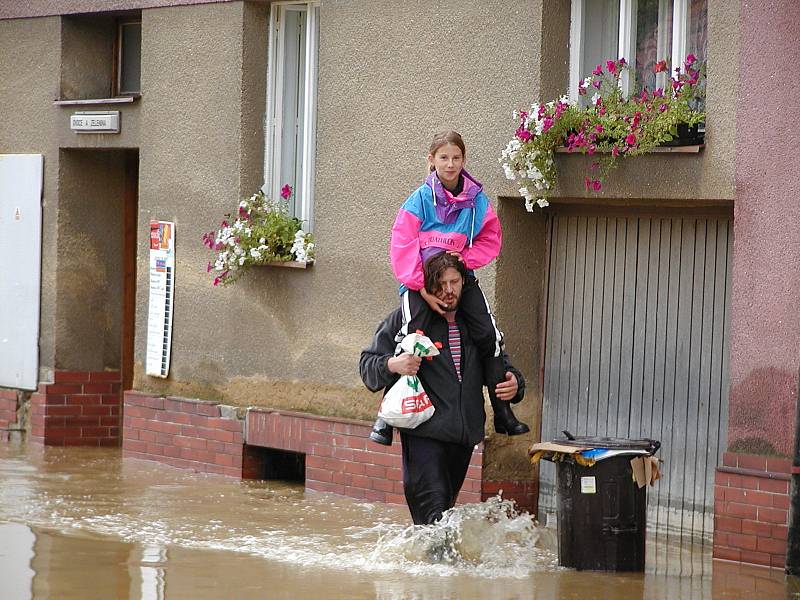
pixel 436 454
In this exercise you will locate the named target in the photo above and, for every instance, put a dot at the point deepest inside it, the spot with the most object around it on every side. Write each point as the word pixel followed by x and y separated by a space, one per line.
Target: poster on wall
pixel 162 286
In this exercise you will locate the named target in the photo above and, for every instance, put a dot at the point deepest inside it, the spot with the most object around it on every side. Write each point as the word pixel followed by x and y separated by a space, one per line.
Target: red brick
pixel 312 473
pixel 110 421
pixel 162 427
pixel 64 388
pixel 97 388
pixel 755 558
pixel 752 461
pixel 779 532
pixel 65 411
pixel 780 501
pixel 190 442
pixel 771 546
pixel 773 515
pixel 134 445
pixel 210 410
pixel 729 524
pixel 226 460
pixel 94 431
pixel 53 400
pixel 344 454
pixel 176 417
pixel 779 465
pixel 109 442
pixel 360 481
pixel 756 528
pixel 375 495
pixel 393 474
pixel 56 421
pixel 383 485
pixel 778 562
pixel 319 450
pixel 71 376
pixel 751 497
pixel 140 411
pixel 172 451
pixel 95 410
pixel 355 468
pixel 744 511
pixel 374 470
pixel 112 376
pixel 776 486
pixel 113 400
pixel 86 421
pixel 156 449
pixel 339 477
pixel 750 482
pixel 727 553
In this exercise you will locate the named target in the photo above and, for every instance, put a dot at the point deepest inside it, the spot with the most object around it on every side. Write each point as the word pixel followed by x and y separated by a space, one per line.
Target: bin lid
pixel 609 442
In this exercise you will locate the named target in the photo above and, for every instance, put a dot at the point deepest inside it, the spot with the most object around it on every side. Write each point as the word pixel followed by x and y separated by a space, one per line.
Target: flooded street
pixel 81 523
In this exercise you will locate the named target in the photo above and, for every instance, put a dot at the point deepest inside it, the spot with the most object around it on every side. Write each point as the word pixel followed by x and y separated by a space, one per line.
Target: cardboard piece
pixel 645 470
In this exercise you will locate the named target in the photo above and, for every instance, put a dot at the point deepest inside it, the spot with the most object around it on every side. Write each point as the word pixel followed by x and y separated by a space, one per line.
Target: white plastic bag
pixel 406 404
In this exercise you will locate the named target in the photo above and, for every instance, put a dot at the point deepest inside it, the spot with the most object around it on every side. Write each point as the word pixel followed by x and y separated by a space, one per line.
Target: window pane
pixel 130 58
pixel 698 28
pixel 600 29
pixel 653 41
pixel 294 68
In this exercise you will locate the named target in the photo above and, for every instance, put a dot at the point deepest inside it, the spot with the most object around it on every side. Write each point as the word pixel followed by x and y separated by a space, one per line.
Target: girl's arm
pixel 487 243
pixel 404 250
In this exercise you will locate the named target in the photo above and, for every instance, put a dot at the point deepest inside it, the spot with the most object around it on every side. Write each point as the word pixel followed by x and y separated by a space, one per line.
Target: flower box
pixel 290 264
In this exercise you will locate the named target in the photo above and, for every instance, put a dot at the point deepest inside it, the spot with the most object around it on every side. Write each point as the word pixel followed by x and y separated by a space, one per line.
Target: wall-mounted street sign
pixel 100 121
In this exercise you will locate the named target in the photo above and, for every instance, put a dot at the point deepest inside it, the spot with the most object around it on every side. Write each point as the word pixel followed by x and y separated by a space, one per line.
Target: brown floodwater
pixel 81 523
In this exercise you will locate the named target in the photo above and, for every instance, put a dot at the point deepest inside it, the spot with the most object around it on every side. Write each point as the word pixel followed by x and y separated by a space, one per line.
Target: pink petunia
pixel 596 185
pixel 587 183
pixel 523 134
pixel 630 139
pixel 216 280
pixel 599 128
pixel 602 111
pixel 660 66
pixel 615 152
pixel 596 84
pixel 208 268
pixel 622 61
pixel 690 60
pixel 598 70
pixel 286 191
pixel 611 66
pixel 224 224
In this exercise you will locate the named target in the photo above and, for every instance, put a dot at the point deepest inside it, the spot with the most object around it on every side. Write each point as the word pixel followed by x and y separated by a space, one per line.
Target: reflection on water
pixel 82 523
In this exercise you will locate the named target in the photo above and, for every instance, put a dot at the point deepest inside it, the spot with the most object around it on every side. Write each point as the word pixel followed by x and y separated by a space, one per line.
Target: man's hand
pixel 507 389
pixel 457 255
pixel 436 305
pixel 406 364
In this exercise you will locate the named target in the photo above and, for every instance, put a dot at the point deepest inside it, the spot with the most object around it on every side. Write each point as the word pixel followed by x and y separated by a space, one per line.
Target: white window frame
pixel 273 124
pixel 626 44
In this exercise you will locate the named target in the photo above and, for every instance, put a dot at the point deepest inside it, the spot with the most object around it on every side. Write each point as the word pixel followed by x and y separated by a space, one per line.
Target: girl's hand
pixel 436 305
pixel 457 255
pixel 404 364
pixel 506 390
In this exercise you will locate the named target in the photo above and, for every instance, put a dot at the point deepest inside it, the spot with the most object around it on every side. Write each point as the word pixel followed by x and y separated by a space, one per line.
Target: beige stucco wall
pixel 89 278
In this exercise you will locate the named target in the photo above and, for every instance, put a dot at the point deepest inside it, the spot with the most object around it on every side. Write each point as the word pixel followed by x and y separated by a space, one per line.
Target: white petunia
pixel 542 202
pixel 529 204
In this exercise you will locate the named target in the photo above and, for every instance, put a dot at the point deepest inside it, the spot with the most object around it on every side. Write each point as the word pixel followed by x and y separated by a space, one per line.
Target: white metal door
pixel 20 247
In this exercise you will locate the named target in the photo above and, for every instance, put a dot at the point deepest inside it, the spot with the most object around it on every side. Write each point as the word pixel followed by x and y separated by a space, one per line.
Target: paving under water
pixel 81 523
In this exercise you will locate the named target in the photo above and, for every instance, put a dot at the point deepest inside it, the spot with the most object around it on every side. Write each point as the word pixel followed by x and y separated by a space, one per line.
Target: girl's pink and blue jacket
pixel 432 220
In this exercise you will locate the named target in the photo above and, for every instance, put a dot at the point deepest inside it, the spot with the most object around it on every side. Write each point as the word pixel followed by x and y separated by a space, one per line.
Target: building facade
pixel 664 306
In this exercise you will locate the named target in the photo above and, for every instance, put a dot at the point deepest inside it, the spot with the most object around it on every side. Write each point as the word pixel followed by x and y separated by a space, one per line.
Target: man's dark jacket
pixel 459 416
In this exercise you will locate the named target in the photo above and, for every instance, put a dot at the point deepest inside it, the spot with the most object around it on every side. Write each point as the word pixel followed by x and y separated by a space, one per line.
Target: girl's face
pixel 448 160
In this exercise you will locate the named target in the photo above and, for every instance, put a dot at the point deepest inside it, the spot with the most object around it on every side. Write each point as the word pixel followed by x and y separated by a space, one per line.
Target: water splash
pixel 488 539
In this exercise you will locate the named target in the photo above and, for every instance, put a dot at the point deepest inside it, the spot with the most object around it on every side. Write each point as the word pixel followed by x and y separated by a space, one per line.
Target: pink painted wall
pixel 765 295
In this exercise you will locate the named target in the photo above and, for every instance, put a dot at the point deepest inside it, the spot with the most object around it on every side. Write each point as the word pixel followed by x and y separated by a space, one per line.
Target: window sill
pixel 693 149
pixel 289 264
pixel 91 101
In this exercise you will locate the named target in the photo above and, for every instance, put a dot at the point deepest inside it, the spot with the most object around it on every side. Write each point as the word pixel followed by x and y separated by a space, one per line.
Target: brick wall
pixel 78 409
pixel 8 411
pixel 751 509
pixel 524 493
pixel 188 434
pixel 341 459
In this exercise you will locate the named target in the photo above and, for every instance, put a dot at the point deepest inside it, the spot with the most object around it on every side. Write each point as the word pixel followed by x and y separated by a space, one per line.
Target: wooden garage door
pixel 637 346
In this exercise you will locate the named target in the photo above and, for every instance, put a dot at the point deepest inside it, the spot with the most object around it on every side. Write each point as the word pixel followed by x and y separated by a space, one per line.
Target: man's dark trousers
pixel 433 473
